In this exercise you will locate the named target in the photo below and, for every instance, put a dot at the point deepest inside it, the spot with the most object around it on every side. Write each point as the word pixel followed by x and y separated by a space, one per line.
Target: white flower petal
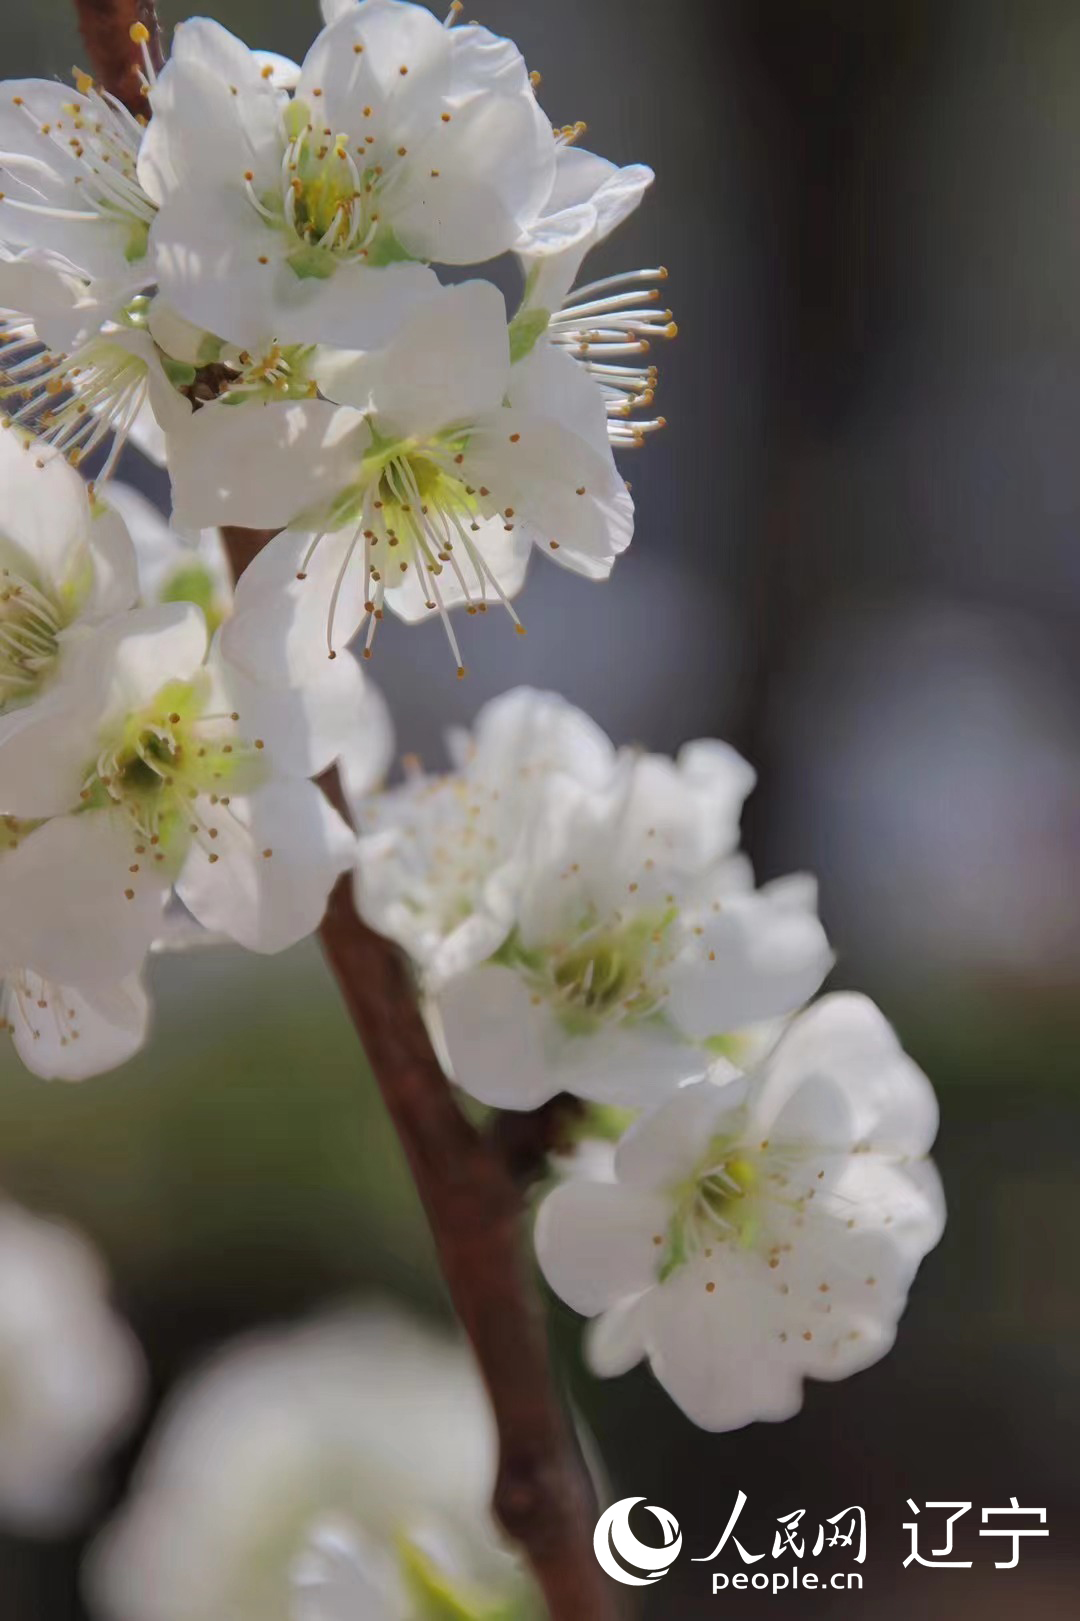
pixel 71 909
pixel 596 1242
pixel 562 489
pixel 63 1034
pixel 846 1045
pixel 263 465
pixel 752 961
pixel 448 364
pixel 267 901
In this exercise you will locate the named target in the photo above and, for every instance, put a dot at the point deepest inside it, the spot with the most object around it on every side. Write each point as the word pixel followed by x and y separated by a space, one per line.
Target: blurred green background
pixel 856 558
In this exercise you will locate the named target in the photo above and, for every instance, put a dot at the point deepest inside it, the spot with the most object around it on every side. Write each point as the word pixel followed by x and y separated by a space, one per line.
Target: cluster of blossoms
pixel 583 923
pixel 242 282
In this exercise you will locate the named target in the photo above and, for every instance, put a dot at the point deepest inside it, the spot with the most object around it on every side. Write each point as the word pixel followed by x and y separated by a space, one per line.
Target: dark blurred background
pixel 856 559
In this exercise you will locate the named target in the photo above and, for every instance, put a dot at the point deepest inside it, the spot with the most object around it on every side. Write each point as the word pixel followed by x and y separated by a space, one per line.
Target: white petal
pixel 537 468
pixel 263 465
pixel 151 647
pixel 589 199
pixel 498 1039
pixel 549 383
pixel 48 745
pixel 718 1353
pixel 267 902
pixel 616 1341
pixel 491 162
pixel 63 1034
pixel 65 911
pixel 65 309
pixel 844 1045
pixel 284 72
pixel 215 118
pixel 46 515
pixel 449 363
pixel 281 630
pixel 753 960
pixel 116 574
pixel 393 36
pixel 596 1242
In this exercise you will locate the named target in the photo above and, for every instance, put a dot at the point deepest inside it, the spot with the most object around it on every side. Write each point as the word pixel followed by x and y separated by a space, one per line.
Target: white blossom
pixel 355 1456
pixel 762 1230
pixel 146 770
pixel 635 944
pixel 403 142
pixel 424 486
pixel 71 1374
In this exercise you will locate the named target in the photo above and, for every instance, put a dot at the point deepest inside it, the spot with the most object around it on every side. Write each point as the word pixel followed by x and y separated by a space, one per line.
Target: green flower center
pixel 715 1206
pixel 603 975
pixel 173 768
pixel 328 202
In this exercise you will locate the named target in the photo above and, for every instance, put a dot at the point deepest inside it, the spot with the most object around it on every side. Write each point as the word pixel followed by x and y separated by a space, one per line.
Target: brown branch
pixel 543 1495
pixel 115 58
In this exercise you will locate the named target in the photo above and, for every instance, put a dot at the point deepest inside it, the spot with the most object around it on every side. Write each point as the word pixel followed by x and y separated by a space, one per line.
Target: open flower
pixel 139 749
pixel 60 568
pixel 353 1457
pixel 639 944
pixel 403 142
pixel 423 489
pixel 71 1374
pixel 759 1231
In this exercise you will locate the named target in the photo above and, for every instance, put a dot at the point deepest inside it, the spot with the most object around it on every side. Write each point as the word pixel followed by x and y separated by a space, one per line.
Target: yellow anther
pixel 140 34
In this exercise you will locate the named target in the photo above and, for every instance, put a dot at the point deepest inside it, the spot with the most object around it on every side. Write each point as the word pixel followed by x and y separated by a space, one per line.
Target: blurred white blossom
pixel 351 1460
pixel 71 1373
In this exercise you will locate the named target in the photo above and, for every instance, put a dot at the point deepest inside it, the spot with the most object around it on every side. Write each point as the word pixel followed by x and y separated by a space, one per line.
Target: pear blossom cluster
pixel 244 281
pixel 271 283
pixel 146 778
pixel 583 923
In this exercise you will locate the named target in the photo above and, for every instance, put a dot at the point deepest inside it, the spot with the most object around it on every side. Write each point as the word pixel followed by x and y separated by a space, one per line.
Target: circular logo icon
pixel 614 1536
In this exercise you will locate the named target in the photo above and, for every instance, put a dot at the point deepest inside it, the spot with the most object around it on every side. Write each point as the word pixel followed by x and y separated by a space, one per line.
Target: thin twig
pixel 115 58
pixel 543 1496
